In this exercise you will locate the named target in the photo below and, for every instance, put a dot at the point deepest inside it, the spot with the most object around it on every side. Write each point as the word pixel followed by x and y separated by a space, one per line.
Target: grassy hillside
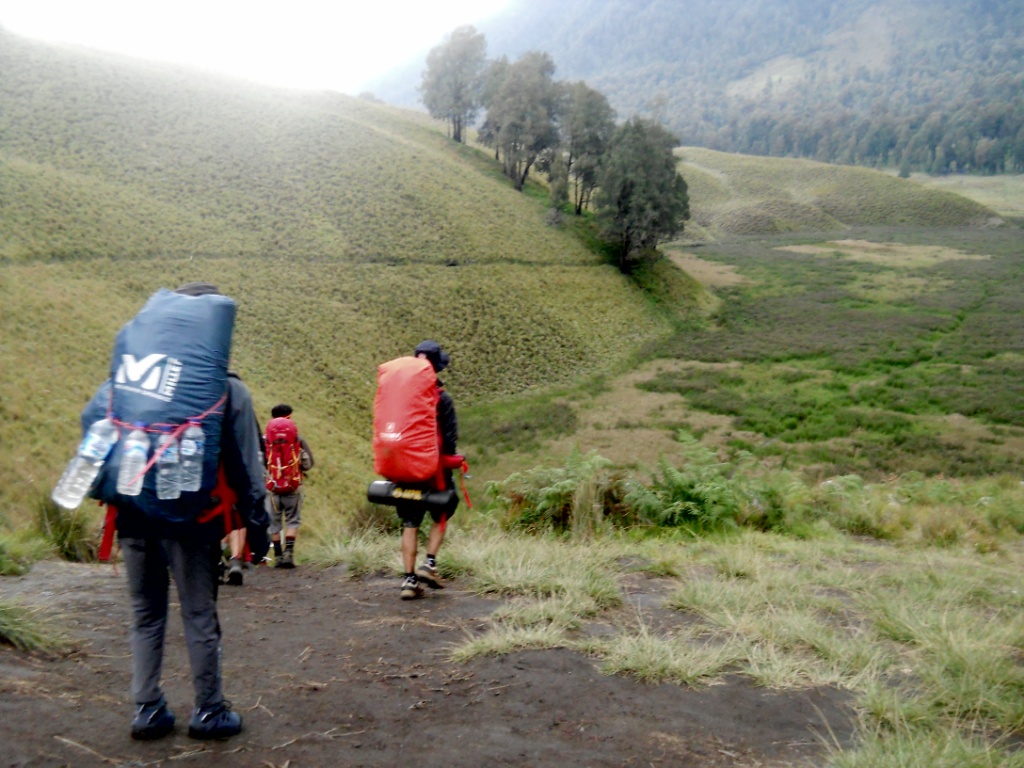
pixel 1004 193
pixel 742 195
pixel 346 231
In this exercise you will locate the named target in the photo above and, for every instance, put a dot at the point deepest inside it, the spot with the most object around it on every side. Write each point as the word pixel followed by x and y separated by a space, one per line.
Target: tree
pixel 587 126
pixel 522 117
pixel 491 82
pixel 641 197
pixel 453 78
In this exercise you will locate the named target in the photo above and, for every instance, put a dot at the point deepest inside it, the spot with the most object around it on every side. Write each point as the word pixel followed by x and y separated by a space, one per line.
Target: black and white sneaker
pixel 235 572
pixel 411 588
pixel 428 574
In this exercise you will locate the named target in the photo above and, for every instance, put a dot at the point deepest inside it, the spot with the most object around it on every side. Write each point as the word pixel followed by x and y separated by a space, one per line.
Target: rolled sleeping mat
pixel 393 495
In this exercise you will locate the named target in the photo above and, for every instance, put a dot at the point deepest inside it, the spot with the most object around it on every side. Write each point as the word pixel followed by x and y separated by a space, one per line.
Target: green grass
pixel 854 355
pixel 838 392
pixel 24 629
pixel 742 195
pixel 925 639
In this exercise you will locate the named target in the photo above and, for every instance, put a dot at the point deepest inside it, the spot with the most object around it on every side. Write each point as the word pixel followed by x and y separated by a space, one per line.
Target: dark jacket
pixel 448 425
pixel 447 422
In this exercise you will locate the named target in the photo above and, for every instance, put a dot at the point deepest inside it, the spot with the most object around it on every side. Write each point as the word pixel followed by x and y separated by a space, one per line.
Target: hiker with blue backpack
pixel 173 400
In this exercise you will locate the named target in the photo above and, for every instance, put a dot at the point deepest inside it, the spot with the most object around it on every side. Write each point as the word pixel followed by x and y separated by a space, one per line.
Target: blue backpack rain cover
pixel 169 364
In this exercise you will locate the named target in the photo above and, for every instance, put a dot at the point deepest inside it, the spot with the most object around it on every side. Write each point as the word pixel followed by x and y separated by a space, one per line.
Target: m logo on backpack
pixel 284 456
pixel 169 367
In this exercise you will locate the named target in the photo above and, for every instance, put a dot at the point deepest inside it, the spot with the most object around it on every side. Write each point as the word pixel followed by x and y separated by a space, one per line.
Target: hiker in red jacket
pixel 285 473
pixel 412 515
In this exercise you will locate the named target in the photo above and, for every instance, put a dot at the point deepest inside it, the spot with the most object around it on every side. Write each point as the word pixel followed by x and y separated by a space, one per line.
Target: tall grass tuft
pixel 686 658
pixel 22 628
pixel 10 563
pixel 70 533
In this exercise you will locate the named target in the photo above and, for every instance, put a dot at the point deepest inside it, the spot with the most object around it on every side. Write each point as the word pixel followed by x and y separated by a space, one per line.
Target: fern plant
pixel 583 497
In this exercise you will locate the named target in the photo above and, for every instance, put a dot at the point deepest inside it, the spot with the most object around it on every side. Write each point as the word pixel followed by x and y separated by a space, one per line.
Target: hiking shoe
pixel 152 721
pixel 217 722
pixel 235 572
pixel 428 573
pixel 287 560
pixel 411 588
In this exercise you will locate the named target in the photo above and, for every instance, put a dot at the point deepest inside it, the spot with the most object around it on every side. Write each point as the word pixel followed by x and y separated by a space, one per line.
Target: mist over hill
pixel 933 86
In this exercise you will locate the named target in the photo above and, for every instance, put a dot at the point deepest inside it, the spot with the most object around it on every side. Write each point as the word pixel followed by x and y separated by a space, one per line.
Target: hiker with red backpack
pixel 169 375
pixel 415 435
pixel 289 458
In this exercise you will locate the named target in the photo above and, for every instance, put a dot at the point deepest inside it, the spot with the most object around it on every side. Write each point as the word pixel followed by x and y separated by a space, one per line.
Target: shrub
pixel 581 498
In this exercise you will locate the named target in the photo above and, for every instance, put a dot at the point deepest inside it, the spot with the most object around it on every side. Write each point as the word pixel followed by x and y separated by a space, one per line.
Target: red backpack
pixel 284 456
pixel 406 443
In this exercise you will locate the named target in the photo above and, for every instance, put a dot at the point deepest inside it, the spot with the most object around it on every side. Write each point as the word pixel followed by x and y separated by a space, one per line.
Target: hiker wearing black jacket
pixel 412 515
pixel 190 553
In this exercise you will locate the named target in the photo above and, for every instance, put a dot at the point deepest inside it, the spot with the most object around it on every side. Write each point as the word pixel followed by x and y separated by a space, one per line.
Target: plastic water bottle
pixel 193 446
pixel 168 466
pixel 134 456
pixel 82 470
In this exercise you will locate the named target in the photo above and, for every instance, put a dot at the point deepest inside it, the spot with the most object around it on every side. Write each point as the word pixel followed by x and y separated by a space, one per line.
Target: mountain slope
pixel 937 86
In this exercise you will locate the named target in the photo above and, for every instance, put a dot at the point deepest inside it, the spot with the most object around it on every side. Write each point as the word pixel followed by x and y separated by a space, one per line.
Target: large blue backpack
pixel 169 365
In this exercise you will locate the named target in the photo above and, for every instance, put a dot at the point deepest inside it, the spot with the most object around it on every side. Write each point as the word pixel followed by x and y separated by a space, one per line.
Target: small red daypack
pixel 284 456
pixel 406 445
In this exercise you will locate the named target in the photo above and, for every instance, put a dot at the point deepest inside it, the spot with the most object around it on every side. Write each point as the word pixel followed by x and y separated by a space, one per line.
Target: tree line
pixel 624 173
pixel 925 85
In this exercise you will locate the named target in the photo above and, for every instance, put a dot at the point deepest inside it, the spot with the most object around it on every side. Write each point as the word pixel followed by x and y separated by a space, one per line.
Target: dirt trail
pixel 329 671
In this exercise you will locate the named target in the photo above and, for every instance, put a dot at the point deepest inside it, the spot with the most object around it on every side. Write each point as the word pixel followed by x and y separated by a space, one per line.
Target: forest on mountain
pixel 924 86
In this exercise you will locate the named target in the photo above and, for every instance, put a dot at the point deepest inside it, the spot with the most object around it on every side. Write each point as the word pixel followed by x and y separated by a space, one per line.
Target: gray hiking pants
pixel 194 567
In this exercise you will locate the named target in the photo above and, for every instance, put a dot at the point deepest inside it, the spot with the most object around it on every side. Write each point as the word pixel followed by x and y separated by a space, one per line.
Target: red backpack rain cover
pixel 406 447
pixel 284 455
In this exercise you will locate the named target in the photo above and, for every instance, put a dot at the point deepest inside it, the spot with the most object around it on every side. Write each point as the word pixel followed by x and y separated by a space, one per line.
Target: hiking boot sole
pixel 432 581
pixel 152 733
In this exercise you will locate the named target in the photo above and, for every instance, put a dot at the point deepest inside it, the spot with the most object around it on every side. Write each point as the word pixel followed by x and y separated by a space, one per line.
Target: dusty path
pixel 329 671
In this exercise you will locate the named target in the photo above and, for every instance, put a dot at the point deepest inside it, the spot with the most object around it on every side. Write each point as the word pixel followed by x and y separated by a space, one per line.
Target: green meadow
pixel 803 426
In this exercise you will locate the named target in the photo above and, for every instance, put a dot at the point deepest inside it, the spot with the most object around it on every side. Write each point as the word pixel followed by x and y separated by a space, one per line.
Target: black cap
pixel 198 289
pixel 433 352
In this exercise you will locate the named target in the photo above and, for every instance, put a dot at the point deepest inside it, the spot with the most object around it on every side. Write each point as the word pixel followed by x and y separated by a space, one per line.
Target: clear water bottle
pixel 193 446
pixel 168 466
pixel 82 470
pixel 134 456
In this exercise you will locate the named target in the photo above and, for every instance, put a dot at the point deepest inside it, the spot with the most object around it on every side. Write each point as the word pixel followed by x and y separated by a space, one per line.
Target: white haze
pixel 337 46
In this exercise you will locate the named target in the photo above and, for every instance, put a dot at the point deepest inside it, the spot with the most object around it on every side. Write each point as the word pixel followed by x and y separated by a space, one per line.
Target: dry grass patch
pixel 711 274
pixel 650 419
pixel 895 255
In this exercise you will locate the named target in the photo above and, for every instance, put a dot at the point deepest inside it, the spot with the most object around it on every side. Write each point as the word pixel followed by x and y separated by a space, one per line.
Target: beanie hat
pixel 198 289
pixel 433 352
